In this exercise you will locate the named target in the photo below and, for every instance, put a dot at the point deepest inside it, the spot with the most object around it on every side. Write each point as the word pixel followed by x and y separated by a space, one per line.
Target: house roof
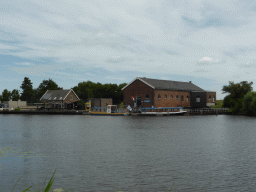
pixel 57 95
pixel 167 84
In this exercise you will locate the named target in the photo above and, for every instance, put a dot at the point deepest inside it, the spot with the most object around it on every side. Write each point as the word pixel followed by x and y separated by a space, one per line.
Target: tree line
pixel 240 99
pixel 84 91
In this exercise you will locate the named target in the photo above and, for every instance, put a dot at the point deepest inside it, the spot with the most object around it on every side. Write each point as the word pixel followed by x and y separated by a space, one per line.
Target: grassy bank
pixel 219 104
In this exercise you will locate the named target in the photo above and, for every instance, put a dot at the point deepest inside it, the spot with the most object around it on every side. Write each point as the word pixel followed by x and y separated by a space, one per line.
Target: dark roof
pixel 168 85
pixel 53 95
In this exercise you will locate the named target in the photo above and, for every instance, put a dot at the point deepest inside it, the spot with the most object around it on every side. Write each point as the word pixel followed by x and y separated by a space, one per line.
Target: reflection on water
pixel 194 153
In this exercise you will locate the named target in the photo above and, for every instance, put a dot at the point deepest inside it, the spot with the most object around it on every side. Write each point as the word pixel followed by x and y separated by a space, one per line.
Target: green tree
pixel 237 91
pixel 43 87
pixel 6 95
pixel 27 90
pixel 249 103
pixel 15 95
pixel 88 89
pixel 81 91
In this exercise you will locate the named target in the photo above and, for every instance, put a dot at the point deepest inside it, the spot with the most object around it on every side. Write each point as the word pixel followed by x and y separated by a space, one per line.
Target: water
pixel 101 153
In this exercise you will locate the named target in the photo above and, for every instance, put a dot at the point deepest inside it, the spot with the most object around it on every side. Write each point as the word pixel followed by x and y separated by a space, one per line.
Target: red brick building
pixel 165 93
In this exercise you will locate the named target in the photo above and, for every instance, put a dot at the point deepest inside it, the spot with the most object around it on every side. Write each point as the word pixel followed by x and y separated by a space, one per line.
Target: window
pixel 60 98
pixel 177 97
pixel 50 98
pixel 171 97
pixel 210 98
pixel 147 97
pixel 198 99
pixel 165 97
pixel 213 99
pixel 55 97
pixel 182 99
pixel 159 96
pixel 187 98
pixel 71 97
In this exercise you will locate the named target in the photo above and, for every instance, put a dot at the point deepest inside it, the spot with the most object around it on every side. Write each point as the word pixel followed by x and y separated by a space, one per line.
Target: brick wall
pixel 67 100
pixel 174 101
pixel 138 89
pixel 104 101
pixel 211 97
pixel 198 99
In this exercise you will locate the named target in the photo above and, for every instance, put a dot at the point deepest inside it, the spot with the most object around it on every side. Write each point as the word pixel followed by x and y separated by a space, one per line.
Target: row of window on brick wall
pixel 177 97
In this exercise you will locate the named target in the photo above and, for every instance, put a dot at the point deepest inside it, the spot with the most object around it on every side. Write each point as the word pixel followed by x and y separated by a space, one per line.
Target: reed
pixel 45 189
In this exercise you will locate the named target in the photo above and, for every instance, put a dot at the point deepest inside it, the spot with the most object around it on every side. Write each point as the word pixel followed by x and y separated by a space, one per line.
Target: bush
pixel 17 109
pixel 219 104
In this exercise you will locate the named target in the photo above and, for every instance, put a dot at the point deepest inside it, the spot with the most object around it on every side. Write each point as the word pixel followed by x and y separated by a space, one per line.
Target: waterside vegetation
pixel 45 189
pixel 240 99
pixel 219 104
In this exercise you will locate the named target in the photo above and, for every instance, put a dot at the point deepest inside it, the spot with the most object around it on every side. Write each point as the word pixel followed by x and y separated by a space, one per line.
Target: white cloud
pixel 150 37
pixel 209 61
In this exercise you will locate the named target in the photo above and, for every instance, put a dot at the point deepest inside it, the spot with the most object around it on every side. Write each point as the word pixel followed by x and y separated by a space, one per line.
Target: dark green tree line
pixel 84 90
pixel 8 95
pixel 88 89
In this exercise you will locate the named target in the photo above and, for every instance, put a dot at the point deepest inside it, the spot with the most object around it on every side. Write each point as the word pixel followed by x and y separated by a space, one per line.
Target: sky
pixel 110 41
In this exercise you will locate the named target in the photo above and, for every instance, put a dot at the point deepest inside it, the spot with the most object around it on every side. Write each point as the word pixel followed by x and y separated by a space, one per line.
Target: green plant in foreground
pixel 48 187
pixel 171 189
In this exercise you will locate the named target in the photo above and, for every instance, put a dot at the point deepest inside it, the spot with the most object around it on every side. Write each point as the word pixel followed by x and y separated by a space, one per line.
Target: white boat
pixel 161 111
pixel 111 110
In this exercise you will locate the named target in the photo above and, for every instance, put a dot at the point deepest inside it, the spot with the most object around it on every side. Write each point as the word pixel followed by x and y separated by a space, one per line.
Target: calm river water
pixel 100 153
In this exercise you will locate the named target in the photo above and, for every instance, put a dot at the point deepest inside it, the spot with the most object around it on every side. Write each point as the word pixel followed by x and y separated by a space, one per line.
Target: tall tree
pixel 44 86
pixel 237 91
pixel 15 95
pixel 6 95
pixel 27 90
pixel 249 103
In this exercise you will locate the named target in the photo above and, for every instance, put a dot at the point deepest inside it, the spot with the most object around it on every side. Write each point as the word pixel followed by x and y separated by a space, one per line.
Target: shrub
pixel 17 109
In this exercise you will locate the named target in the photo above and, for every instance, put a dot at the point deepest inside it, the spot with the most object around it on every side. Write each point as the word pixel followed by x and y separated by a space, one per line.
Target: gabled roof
pixel 57 95
pixel 167 84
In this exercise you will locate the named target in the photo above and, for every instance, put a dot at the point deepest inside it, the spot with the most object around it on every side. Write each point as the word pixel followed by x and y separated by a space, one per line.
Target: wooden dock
pixel 44 112
pixel 208 111
pixel 202 111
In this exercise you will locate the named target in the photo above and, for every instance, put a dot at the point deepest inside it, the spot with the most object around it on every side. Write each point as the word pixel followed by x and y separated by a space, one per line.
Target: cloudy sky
pixel 113 41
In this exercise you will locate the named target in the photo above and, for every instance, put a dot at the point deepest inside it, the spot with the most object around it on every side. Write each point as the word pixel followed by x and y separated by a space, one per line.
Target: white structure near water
pixel 14 104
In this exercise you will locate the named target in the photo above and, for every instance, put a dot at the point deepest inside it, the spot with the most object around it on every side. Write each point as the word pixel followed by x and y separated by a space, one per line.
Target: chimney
pixel 61 88
pixel 190 81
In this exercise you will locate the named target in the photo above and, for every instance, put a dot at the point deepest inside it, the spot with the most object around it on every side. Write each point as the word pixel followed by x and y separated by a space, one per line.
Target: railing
pixel 208 110
pixel 119 109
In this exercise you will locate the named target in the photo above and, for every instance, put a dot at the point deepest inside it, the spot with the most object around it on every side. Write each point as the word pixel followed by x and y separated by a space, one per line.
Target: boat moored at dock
pixel 160 111
pixel 111 110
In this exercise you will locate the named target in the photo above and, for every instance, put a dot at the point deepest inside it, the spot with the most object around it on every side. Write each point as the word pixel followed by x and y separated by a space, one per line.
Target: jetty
pixel 68 112
pixel 208 111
